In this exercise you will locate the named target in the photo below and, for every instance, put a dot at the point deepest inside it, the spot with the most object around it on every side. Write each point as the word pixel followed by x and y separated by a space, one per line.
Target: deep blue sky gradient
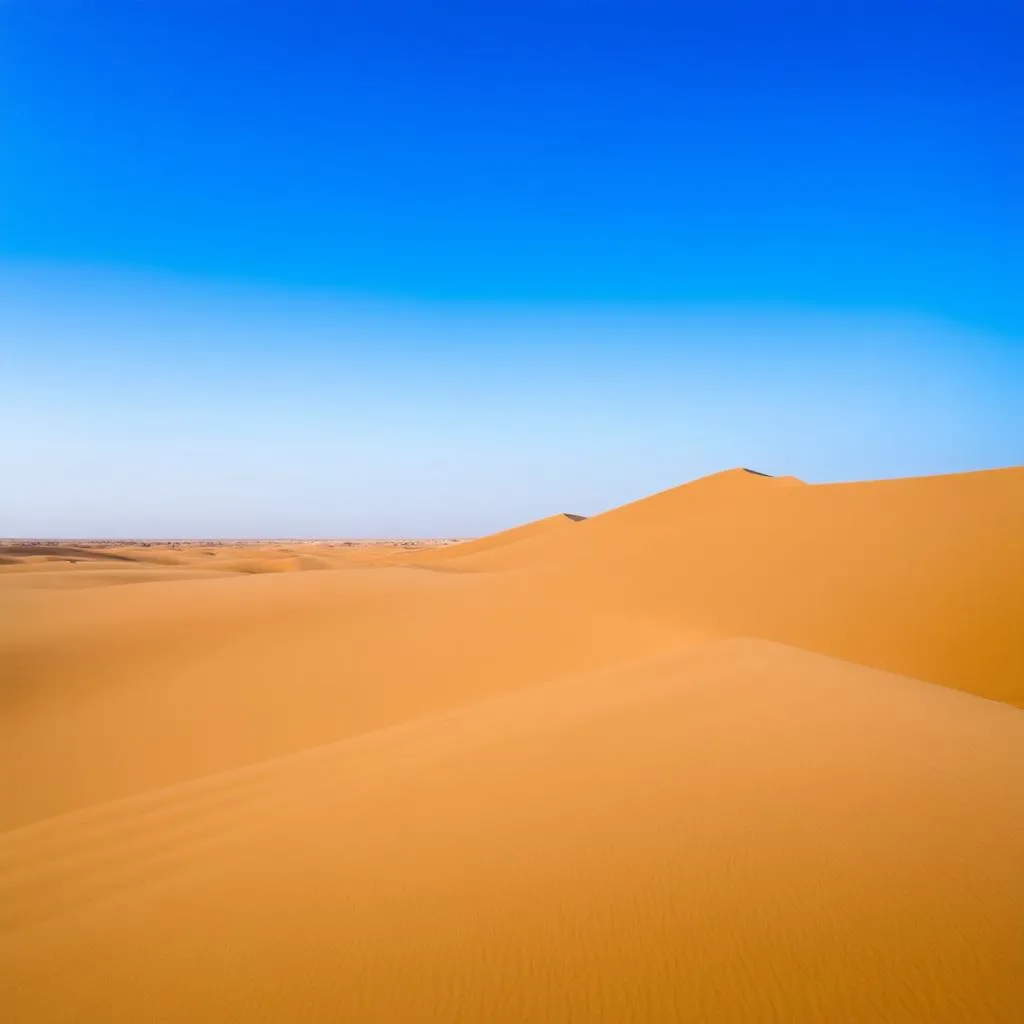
pixel 528 199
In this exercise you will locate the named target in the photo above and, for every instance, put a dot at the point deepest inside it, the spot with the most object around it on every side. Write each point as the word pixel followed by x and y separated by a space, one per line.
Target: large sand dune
pixel 667 763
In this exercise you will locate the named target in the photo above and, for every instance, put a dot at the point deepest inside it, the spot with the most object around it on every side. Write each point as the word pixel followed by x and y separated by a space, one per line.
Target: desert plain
pixel 749 749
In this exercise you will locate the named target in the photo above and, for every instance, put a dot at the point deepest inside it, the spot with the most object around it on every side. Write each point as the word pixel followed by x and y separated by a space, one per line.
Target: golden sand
pixel 745 750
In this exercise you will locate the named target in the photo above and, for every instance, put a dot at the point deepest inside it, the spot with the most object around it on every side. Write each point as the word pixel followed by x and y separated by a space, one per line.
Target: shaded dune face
pixel 685 760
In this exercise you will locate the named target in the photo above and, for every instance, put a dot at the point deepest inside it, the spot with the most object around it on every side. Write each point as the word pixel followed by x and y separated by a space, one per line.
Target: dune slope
pixel 920 576
pixel 550 526
pixel 730 833
pixel 157 683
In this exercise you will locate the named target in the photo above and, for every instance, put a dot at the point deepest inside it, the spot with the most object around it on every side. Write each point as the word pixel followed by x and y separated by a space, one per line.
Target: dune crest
pixel 550 525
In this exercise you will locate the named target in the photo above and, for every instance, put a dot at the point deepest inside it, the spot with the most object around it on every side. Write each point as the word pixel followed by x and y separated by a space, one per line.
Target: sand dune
pixel 59 553
pixel 162 682
pixel 59 566
pixel 549 526
pixel 730 833
pixel 921 576
pixel 46 577
pixel 666 763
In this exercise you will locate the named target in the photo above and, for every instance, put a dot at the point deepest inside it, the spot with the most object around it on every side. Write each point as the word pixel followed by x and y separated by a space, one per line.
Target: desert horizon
pixel 745 748
pixel 511 512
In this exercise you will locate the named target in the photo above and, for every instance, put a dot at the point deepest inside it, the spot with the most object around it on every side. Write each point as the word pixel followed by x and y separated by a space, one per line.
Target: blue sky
pixel 434 268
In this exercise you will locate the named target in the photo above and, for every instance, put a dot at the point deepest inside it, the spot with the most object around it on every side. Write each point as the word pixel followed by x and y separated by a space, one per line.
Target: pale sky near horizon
pixel 362 271
pixel 194 413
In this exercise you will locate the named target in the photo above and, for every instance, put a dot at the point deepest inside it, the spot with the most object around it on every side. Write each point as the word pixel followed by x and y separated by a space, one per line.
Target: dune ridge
pixel 550 525
pixel 746 749
pixel 922 576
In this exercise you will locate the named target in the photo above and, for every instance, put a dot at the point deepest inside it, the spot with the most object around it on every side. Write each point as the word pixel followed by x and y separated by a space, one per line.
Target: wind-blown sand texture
pixel 746 750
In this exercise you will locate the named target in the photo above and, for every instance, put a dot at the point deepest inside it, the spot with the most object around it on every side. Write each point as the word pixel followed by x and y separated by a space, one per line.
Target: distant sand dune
pixel 664 764
pixel 51 566
pixel 60 552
